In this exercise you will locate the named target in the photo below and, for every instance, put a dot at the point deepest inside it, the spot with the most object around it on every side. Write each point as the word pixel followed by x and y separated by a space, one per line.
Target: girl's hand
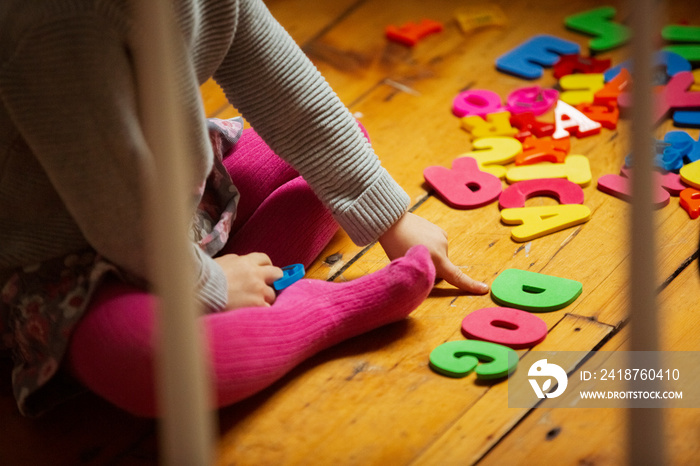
pixel 250 278
pixel 411 230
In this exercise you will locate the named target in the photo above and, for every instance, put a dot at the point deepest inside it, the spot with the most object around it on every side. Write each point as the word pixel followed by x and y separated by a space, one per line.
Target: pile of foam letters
pixel 590 98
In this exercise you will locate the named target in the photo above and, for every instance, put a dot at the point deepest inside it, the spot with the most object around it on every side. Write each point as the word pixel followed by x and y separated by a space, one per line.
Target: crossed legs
pixel 112 350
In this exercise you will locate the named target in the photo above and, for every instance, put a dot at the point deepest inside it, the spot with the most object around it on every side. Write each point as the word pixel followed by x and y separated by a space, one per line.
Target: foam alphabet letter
pixel 575 168
pixel 531 99
pixel 410 33
pixel 606 114
pixel 575 63
pixel 496 124
pixel 687 118
pixel 529 126
pixel 683 33
pixel 465 186
pixel 598 22
pixel 620 187
pixel 671 182
pixel 690 174
pixel 477 16
pixel 690 201
pixel 527 59
pixel 492 153
pixel 532 291
pixel 683 149
pixel 543 150
pixel 673 62
pixel 613 88
pixel 534 222
pixel 505 326
pixel 580 88
pixel 565 191
pixel 569 120
pixel 479 102
pixel 459 358
pixel 675 94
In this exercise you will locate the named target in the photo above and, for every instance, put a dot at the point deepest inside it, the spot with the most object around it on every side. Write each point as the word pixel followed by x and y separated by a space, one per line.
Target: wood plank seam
pixel 608 337
pixel 467 87
pixel 622 324
pixel 420 456
pixel 684 265
pixel 615 330
pixel 614 136
pixel 364 250
pixel 339 19
pixel 367 93
pixel 448 428
pixel 506 434
pixel 349 263
pixel 579 364
pixel 675 314
pixel 565 243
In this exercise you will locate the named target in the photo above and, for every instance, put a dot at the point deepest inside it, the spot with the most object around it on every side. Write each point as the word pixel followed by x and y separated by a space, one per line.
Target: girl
pixel 75 303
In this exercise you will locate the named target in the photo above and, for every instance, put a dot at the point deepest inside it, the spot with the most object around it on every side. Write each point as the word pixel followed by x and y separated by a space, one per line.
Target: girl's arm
pixel 267 77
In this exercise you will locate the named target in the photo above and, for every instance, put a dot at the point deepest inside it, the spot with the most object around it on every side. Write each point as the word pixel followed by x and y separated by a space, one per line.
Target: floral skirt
pixel 41 304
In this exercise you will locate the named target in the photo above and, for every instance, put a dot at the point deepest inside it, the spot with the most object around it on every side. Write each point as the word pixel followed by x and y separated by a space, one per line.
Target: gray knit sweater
pixel 72 149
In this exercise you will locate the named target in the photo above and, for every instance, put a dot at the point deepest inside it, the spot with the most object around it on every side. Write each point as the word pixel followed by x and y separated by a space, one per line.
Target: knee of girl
pixel 112 349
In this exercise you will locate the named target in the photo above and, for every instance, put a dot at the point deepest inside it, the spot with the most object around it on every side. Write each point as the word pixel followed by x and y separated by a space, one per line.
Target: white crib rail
pixel 186 429
pixel 645 425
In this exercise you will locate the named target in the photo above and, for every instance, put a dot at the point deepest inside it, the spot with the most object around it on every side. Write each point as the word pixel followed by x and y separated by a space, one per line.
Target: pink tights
pixel 112 349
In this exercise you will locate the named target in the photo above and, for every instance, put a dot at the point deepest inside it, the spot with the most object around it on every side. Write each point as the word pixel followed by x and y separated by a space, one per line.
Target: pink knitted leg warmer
pixel 112 350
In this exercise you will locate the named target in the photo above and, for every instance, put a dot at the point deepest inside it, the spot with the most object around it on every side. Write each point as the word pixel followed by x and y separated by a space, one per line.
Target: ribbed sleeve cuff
pixel 212 287
pixel 375 211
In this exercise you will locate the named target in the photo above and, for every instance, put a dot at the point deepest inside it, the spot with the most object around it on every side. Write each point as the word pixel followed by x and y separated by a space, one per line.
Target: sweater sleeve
pixel 267 77
pixel 70 91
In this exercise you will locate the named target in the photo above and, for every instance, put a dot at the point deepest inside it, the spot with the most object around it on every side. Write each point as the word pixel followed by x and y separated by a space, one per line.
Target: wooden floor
pixel 373 399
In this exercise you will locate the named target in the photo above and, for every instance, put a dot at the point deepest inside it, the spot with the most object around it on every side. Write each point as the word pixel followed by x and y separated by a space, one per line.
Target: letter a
pixel 569 120
pixel 542 220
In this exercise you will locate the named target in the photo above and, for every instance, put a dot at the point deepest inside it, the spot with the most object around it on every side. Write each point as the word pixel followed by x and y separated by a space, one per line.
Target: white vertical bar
pixel 646 433
pixel 186 427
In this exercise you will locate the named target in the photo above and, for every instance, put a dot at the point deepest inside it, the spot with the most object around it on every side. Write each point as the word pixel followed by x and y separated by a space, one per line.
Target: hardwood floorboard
pixel 583 435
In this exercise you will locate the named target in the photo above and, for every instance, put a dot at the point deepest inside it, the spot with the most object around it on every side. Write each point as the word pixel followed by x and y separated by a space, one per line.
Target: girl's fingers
pixel 269 295
pixel 454 276
pixel 271 273
pixel 259 258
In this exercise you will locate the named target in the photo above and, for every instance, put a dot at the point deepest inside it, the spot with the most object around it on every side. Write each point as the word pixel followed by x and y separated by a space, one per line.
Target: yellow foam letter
pixel 494 152
pixel 542 220
pixel 690 174
pixel 575 168
pixel 580 88
pixel 496 124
